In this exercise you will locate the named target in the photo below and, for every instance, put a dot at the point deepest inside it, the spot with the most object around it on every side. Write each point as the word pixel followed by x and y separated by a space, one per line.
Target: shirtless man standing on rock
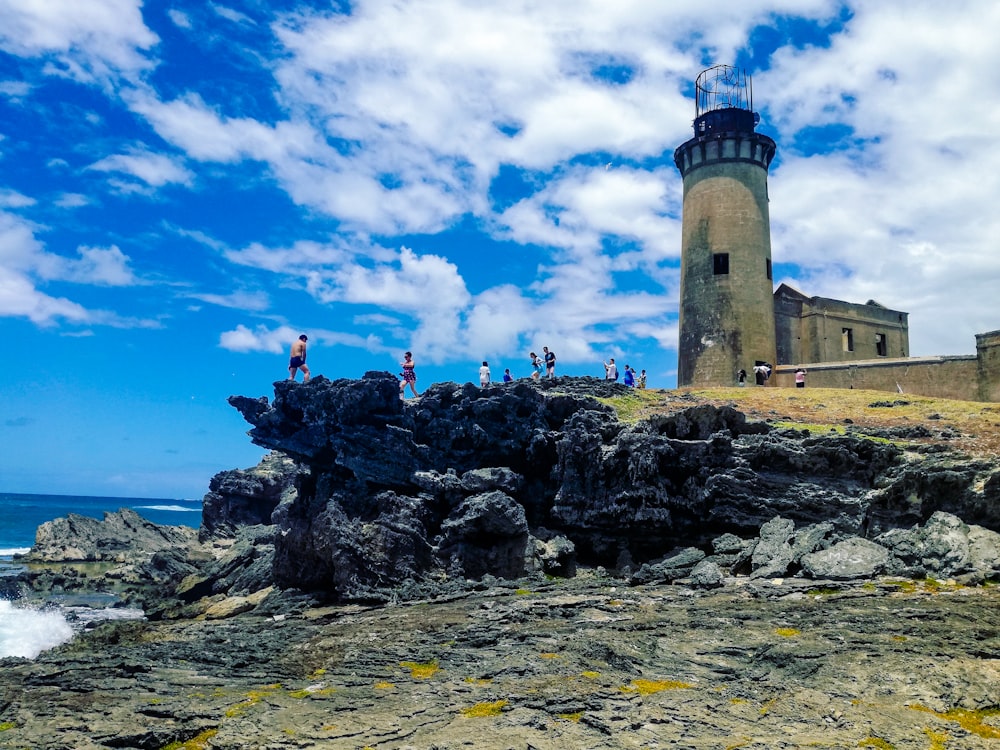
pixel 298 359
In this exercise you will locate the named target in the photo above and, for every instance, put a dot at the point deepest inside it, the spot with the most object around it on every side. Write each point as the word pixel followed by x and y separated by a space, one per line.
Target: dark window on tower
pixel 720 264
pixel 768 261
pixel 847 338
pixel 880 347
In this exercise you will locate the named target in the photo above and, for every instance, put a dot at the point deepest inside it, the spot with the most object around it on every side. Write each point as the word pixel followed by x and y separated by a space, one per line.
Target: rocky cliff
pixel 368 493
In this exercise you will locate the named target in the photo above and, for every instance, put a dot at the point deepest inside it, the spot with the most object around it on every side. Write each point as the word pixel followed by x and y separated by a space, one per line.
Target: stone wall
pixel 941 377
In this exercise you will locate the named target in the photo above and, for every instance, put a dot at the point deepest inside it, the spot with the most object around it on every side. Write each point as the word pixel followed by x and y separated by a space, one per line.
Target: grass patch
pixel 813 429
pixel 252 699
pixel 787 632
pixel 822 591
pixel 971 721
pixel 479 680
pixel 202 742
pixel 876 742
pixel 482 710
pixel 7 726
pixel 636 405
pixel 925 585
pixel 421 670
pixel 649 687
pixel 938 740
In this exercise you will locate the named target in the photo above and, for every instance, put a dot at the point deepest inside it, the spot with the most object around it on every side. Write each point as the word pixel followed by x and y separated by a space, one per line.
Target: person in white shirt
pixel 484 375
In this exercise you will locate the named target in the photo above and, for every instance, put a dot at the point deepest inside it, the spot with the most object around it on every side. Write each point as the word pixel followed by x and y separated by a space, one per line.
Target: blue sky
pixel 187 186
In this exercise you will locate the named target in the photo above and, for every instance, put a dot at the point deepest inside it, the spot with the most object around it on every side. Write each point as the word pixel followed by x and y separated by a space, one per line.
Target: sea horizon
pixel 24 512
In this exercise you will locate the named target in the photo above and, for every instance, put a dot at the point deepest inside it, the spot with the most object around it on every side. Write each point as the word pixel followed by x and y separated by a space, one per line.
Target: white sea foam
pixel 172 508
pixel 27 632
pixel 9 552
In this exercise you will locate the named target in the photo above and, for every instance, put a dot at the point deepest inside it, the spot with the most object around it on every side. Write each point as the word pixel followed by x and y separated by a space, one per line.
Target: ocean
pixel 26 631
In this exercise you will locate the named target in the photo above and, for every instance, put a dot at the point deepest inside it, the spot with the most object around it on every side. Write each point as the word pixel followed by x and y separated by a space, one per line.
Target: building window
pixel 768 261
pixel 847 339
pixel 720 264
pixel 880 345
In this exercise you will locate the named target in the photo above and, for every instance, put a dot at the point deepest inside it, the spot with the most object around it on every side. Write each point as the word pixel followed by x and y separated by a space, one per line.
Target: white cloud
pixel 155 170
pixel 278 340
pixel 72 200
pixel 107 266
pixel 229 14
pixel 261 339
pixel 180 19
pixel 88 40
pixel 24 264
pixel 20 298
pixel 249 301
pixel 14 199
pixel 15 90
pixel 205 134
pixel 304 258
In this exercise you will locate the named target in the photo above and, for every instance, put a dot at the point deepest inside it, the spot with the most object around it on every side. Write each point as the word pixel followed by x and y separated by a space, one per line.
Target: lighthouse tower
pixel 727 295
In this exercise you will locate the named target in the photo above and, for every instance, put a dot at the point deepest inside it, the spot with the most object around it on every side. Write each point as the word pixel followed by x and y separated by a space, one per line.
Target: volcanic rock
pixel 466 482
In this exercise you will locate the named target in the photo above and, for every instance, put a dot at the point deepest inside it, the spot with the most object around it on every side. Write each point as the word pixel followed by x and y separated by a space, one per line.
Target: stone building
pixel 817 329
pixel 730 316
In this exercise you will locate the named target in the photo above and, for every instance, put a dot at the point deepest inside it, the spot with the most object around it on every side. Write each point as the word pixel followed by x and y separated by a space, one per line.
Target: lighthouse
pixel 727 295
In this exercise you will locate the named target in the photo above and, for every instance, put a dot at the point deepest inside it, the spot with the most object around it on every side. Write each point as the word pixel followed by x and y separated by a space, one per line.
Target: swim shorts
pixel 295 362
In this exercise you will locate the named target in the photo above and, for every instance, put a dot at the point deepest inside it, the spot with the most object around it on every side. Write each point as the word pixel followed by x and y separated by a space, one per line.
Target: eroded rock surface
pixel 575 663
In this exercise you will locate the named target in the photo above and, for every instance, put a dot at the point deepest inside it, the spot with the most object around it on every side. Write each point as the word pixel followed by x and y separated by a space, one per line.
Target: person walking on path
pixel 297 359
pixel 484 374
pixel 536 367
pixel 550 363
pixel 610 370
pixel 409 375
pixel 800 378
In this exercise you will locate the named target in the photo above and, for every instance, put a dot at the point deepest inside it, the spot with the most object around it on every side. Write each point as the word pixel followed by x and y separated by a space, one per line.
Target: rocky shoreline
pixel 518 567
pixel 585 662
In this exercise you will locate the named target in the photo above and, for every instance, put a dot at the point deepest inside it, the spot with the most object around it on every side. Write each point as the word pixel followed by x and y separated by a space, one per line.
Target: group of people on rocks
pixel 630 378
pixel 408 377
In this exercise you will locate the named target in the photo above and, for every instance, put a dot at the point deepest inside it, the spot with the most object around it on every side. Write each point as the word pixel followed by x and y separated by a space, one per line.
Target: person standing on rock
pixel 536 367
pixel 507 377
pixel 409 375
pixel 550 363
pixel 297 359
pixel 611 370
pixel 484 374
pixel 629 376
